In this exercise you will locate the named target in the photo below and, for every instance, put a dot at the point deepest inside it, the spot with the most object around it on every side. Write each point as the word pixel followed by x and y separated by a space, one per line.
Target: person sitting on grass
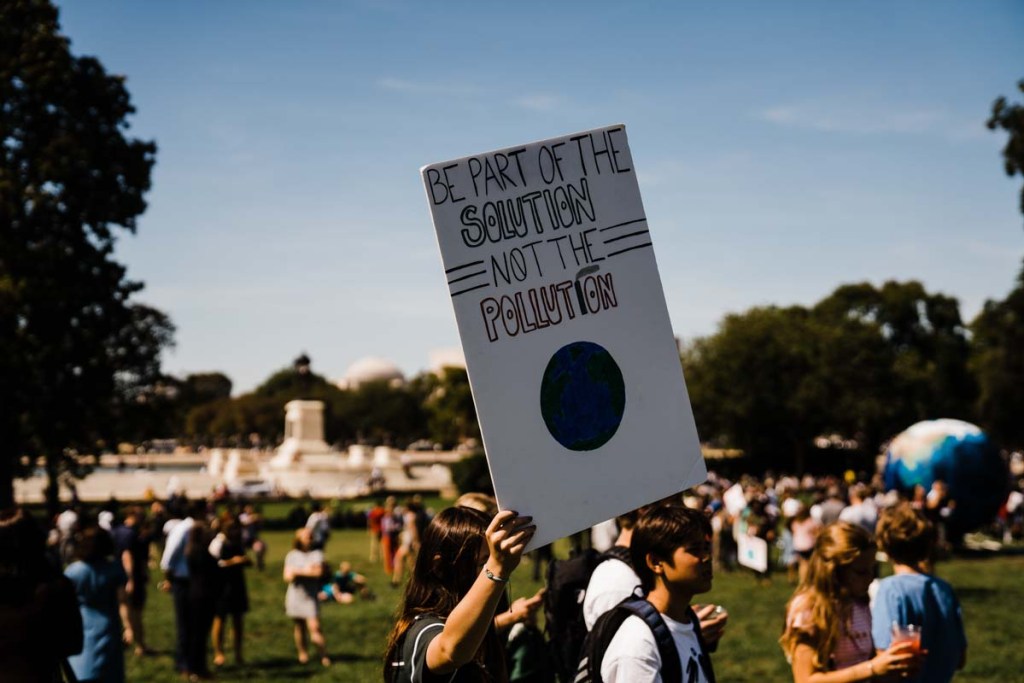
pixel 912 595
pixel 827 638
pixel 445 628
pixel 345 585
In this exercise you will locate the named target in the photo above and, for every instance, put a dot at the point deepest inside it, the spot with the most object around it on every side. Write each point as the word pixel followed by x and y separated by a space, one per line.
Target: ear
pixel 654 564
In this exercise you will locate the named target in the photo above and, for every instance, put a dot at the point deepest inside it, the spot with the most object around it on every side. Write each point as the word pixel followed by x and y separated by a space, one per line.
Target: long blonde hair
pixel 821 596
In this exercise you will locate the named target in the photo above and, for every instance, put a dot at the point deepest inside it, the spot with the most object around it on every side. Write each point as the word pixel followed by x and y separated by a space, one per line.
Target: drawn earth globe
pixel 582 396
pixel 957 453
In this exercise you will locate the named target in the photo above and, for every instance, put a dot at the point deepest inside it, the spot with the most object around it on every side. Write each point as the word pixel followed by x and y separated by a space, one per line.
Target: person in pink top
pixel 827 638
pixel 804 529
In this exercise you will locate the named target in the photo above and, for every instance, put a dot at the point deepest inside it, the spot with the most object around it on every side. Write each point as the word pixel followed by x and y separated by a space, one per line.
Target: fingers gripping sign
pixel 507 537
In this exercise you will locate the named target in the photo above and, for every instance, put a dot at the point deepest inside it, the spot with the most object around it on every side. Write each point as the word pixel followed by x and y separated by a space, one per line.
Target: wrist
pixel 871 670
pixel 496 573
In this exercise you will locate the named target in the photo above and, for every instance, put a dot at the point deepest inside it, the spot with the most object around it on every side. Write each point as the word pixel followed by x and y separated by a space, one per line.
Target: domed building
pixel 371 369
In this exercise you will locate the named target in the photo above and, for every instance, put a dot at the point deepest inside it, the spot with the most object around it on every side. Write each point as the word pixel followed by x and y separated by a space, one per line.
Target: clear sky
pixel 782 149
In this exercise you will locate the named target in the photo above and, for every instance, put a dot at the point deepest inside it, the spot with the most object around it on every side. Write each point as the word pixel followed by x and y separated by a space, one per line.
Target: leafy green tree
pixel 1010 117
pixel 379 413
pixel 448 400
pixel 70 179
pixel 203 387
pixel 997 360
pixel 928 348
pixel 754 384
pixel 865 362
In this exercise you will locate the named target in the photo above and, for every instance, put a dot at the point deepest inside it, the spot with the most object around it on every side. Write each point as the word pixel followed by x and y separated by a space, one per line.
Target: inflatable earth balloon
pixel 957 453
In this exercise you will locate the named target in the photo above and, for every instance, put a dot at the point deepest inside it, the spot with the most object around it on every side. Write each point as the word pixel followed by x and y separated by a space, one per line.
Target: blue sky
pixel 782 149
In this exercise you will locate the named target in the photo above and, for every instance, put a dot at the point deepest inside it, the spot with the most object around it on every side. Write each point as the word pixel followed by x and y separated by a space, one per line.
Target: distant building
pixel 451 357
pixel 371 369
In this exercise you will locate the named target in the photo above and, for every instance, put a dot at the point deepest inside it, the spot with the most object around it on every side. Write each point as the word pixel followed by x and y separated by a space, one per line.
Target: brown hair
pixel 456 536
pixel 299 543
pixel 821 595
pixel 662 529
pixel 905 535
pixel 94 545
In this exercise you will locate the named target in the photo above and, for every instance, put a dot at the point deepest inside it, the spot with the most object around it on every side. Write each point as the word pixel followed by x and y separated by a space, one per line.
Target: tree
pixel 864 362
pixel 451 414
pixel 997 360
pixel 1010 117
pixel 927 347
pixel 754 383
pixel 70 178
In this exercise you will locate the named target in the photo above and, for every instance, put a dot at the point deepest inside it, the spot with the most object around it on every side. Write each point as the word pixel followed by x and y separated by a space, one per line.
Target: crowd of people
pixel 636 611
pixel 843 623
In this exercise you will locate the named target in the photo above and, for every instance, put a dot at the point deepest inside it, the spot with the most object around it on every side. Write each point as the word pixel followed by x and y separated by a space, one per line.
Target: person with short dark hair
pixel 228 549
pixel 175 566
pixel 99 581
pixel 913 595
pixel 671 554
pixel 131 541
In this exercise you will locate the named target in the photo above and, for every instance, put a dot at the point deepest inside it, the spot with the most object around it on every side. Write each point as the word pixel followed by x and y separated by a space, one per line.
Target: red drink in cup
pixel 909 633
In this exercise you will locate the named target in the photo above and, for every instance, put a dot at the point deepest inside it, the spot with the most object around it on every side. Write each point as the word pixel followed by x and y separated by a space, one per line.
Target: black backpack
pixel 564 626
pixel 607 625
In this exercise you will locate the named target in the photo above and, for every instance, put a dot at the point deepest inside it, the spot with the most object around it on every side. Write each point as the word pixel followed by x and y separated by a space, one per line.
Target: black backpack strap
pixel 414 642
pixel 608 625
pixel 619 552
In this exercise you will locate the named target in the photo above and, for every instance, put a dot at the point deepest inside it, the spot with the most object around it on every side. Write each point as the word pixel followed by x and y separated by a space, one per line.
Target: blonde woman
pixel 827 638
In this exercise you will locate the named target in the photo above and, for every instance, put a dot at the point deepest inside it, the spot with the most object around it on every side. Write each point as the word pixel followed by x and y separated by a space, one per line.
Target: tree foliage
pixel 864 363
pixel 1010 117
pixel 75 350
pixel 997 359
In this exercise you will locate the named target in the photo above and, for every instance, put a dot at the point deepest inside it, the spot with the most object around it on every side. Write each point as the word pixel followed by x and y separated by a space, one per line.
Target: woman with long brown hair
pixel 446 622
pixel 827 638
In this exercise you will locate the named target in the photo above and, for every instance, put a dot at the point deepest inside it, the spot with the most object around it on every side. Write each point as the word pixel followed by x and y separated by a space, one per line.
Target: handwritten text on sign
pixel 544 217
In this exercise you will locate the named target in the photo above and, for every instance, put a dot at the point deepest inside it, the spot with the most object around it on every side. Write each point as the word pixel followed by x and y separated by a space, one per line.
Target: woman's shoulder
pixel 799 613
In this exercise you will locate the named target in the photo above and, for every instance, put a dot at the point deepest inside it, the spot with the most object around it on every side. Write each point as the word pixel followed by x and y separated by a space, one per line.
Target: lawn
pixel 990 588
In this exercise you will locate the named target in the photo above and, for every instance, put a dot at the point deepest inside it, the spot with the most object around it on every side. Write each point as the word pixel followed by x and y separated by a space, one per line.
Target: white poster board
pixel 735 500
pixel 752 552
pixel 570 353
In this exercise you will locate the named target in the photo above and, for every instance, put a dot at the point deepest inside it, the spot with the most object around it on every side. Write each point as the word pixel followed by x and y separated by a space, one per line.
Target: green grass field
pixel 991 590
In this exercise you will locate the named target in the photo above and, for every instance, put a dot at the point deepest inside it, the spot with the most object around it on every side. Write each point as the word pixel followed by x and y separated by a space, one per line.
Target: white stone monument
pixel 303 433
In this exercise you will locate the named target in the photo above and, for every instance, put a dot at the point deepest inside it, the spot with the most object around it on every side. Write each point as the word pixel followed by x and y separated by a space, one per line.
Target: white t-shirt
pixel 612 582
pixel 603 535
pixel 632 656
pixel 863 514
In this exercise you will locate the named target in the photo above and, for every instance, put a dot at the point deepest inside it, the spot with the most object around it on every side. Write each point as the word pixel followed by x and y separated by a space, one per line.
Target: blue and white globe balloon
pixel 957 453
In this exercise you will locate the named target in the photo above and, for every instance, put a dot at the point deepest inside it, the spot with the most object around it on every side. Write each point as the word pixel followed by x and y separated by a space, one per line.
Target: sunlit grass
pixel 991 590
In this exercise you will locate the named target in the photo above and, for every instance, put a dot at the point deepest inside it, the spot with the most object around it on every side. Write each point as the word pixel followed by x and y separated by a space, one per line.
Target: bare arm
pixel 520 610
pixel 467 625
pixel 898 658
pixel 128 562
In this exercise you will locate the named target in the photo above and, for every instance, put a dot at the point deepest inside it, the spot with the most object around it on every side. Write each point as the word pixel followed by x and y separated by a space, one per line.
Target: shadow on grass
pixel 977 591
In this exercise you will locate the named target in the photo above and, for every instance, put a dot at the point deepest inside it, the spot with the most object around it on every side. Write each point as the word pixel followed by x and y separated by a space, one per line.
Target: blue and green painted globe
pixel 582 396
pixel 962 456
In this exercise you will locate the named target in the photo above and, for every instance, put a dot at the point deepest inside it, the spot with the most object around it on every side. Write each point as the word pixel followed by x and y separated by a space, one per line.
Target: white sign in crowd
pixel 570 352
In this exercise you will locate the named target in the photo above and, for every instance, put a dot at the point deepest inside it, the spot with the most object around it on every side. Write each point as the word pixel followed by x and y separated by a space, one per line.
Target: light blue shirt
pixel 173 560
pixel 931 603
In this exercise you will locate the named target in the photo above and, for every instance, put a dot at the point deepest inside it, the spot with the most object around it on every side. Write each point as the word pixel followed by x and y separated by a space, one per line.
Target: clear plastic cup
pixel 907 633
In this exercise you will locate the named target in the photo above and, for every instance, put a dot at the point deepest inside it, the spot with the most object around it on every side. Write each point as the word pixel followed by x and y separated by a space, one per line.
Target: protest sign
pixel 570 353
pixel 752 552
pixel 735 500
